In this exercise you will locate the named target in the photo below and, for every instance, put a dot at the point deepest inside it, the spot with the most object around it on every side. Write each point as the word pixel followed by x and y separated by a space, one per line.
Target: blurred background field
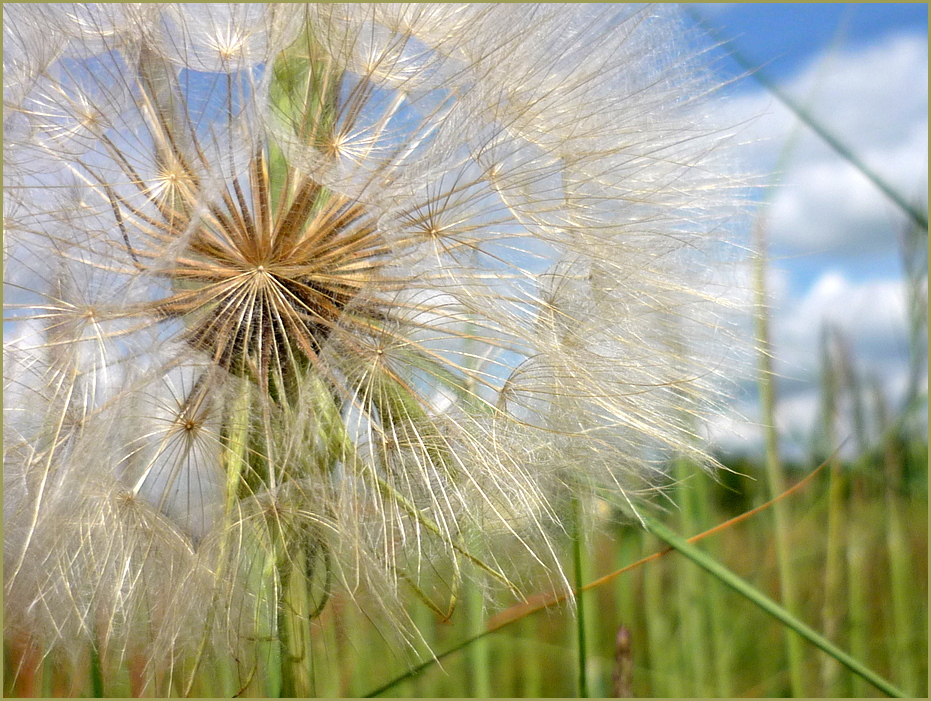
pixel 688 634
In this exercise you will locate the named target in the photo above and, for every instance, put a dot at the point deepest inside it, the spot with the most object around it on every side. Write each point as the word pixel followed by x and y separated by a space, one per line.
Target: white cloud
pixel 797 415
pixel 871 313
pixel 828 206
pixel 870 316
pixel 873 99
pixel 826 213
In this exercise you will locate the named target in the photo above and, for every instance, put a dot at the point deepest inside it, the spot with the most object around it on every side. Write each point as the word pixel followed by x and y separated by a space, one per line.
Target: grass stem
pixel 479 654
pixel 832 372
pixel 96 672
pixel 774 473
pixel 727 577
pixel 581 643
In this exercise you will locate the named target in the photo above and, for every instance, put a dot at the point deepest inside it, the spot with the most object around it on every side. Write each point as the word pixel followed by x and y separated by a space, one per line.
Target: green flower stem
pixel 856 558
pixel 858 599
pixel 294 629
pixel 238 430
pixel 774 472
pixel 690 595
pixel 479 654
pixel 664 677
pixel 577 537
pixel 780 510
pixel 727 577
pixel 834 588
pixel 902 635
pixel 831 374
pixel 723 650
pixel 50 678
pixel 96 672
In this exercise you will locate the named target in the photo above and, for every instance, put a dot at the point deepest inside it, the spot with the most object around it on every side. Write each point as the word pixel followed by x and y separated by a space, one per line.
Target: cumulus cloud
pixel 872 319
pixel 828 207
pixel 875 100
pixel 874 97
pixel 836 238
pixel 872 314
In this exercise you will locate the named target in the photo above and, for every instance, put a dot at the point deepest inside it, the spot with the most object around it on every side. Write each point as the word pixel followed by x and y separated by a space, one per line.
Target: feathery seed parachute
pixel 315 298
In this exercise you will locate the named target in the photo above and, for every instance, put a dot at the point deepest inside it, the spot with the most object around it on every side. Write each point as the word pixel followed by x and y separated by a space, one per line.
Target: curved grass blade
pixel 727 577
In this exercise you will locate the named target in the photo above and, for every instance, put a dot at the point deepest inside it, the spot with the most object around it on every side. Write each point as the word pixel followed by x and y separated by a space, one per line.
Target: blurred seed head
pixel 351 291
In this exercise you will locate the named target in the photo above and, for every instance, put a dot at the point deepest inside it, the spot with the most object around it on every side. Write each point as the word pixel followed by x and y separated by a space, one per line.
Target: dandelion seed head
pixel 358 294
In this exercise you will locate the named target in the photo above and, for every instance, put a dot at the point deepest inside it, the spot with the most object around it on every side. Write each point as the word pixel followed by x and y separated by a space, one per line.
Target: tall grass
pixel 537 656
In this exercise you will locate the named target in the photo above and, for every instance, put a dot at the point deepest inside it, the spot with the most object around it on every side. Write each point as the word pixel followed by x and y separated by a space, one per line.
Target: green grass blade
pixel 423 666
pixel 661 652
pixel 833 363
pixel 896 541
pixel 769 606
pixel 774 470
pixel 692 599
pixel 96 673
pixel 767 393
pixel 547 601
pixel 579 599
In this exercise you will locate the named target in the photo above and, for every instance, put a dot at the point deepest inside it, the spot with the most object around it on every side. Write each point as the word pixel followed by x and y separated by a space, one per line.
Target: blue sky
pixel 784 37
pixel 835 241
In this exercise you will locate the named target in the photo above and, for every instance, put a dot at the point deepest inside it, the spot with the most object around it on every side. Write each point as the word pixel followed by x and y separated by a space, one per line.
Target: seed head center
pixel 261 276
